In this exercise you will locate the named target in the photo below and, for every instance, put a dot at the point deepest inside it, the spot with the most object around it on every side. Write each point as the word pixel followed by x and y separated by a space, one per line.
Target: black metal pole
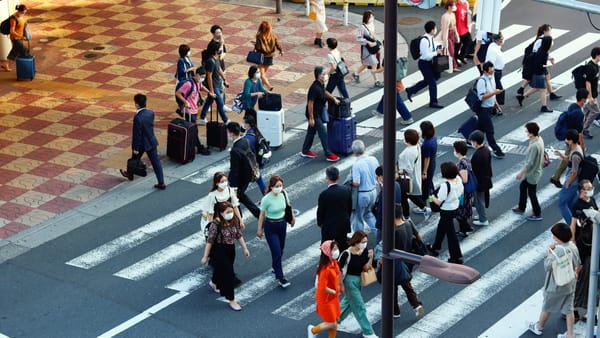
pixel 389 163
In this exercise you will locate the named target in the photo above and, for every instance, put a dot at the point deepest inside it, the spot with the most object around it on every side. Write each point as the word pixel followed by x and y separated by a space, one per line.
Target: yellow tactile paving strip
pixel 64 135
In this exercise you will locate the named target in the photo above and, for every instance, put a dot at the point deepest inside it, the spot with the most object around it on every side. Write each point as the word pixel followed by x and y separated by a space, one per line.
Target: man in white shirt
pixel 429 49
pixel 496 57
pixel 486 90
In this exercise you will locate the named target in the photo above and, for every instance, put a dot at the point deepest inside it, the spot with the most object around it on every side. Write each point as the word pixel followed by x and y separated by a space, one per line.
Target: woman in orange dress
pixel 328 288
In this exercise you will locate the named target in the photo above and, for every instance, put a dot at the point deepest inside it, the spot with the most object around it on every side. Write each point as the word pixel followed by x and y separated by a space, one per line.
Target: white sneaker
pixel 367 230
pixel 418 210
pixel 597 123
pixel 419 311
pixel 309 332
pixel 479 223
pixel 561 335
pixel 376 113
pixel 370 336
pixel 202 121
pixel 227 109
pixel 350 234
pixel 427 213
pixel 534 328
pixel 407 122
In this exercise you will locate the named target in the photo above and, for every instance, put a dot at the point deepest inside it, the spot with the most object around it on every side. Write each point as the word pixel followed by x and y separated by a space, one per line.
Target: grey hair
pixel 358 147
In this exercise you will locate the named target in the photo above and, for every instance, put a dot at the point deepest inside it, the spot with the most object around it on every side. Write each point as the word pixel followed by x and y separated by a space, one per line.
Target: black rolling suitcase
pixel 216 133
pixel 181 140
pixel 339 111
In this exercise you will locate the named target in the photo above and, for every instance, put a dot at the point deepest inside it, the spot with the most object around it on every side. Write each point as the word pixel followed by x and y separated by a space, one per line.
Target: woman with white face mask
pixel 220 247
pixel 328 288
pixel 253 90
pixel 222 192
pixel 272 219
pixel 449 32
pixel 352 262
pixel 365 36
pixel 185 66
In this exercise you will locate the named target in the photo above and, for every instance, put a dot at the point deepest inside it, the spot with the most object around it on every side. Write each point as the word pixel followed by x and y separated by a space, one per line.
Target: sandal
pixel 5 67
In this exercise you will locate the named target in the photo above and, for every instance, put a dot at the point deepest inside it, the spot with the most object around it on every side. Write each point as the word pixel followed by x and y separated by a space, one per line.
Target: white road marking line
pixel 468 299
pixel 143 315
pixel 470 247
pixel 513 324
pixel 191 281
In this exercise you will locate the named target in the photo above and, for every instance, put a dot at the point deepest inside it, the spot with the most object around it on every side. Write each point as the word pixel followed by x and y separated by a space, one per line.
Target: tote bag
pixel 562 267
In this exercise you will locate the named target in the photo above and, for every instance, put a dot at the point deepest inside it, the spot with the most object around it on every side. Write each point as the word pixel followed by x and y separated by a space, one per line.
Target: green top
pixel 534 160
pixel 273 206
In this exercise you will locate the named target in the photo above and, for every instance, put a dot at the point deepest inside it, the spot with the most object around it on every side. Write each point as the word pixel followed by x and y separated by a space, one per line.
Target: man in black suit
pixel 239 171
pixel 144 140
pixel 334 210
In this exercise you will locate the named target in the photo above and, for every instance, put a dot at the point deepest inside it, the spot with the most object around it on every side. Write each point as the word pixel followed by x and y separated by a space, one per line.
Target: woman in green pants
pixel 352 262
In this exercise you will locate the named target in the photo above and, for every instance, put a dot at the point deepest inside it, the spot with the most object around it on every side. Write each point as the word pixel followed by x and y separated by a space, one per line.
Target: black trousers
pixel 245 200
pixel 525 188
pixel 222 257
pixel 497 78
pixel 465 46
pixel 446 228
pixel 416 199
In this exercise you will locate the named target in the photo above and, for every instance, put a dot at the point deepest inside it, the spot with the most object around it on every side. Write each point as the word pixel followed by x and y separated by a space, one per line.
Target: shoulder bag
pixel 289 213
pixel 345 267
pixel 341 67
pixel 255 57
pixel 368 277
pixel 562 267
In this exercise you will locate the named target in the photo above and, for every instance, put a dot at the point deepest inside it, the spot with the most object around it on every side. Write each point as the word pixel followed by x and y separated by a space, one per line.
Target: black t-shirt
pixel 213 66
pixel 316 93
pixel 592 73
pixel 583 236
pixel 355 267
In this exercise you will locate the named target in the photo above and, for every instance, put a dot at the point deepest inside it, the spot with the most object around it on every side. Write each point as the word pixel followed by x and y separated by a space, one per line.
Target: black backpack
pixel 415 47
pixel 262 147
pixel 528 50
pixel 5 25
pixel 588 168
pixel 250 164
pixel 580 75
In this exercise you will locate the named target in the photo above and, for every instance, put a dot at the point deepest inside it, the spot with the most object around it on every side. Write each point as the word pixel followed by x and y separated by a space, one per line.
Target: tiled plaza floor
pixel 59 132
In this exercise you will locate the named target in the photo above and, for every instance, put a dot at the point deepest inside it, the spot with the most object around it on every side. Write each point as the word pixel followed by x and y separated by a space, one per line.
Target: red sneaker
pixel 332 157
pixel 308 154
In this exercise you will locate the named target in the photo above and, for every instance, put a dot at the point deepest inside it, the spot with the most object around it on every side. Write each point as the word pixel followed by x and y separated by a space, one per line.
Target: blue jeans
pixel 337 80
pixel 353 301
pixel 220 104
pixel 275 234
pixel 400 107
pixel 429 80
pixel 567 198
pixel 363 213
pixel 310 134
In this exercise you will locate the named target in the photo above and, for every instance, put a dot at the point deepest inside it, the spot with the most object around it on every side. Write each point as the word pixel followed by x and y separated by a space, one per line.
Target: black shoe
pixel 435 105
pixel 554 96
pixel 160 186
pixel 202 150
pixel 179 112
pixel 545 109
pixel 432 251
pixel 319 42
pixel 520 98
pixel 409 96
pixel 520 91
pixel 556 183
pixel 498 154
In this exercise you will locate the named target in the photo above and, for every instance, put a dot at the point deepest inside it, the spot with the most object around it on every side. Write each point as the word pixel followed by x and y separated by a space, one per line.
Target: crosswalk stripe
pixel 512 325
pixel 468 299
pixel 470 247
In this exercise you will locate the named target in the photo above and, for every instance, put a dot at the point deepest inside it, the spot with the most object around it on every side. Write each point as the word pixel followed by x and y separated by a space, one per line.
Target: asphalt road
pixel 43 296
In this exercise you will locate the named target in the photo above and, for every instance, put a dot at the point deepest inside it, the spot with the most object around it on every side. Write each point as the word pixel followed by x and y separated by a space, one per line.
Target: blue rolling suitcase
pixel 25 67
pixel 468 127
pixel 340 135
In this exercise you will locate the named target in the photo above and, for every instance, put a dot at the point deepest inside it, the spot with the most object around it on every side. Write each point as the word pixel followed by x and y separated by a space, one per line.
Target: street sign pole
pixel 592 290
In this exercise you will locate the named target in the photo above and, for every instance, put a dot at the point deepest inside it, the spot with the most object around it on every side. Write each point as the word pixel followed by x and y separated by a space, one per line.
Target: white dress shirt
pixel 495 56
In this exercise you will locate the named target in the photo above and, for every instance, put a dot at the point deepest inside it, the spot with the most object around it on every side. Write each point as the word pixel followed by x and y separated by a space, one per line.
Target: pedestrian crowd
pixel 350 211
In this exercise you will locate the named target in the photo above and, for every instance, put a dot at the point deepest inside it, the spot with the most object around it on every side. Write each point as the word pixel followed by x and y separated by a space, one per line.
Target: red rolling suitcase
pixel 181 140
pixel 340 135
pixel 216 133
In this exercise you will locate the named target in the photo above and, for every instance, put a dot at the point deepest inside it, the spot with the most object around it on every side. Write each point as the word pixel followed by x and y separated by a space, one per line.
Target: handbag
pixel 401 67
pixel 238 105
pixel 289 213
pixel 418 247
pixel 401 273
pixel 255 57
pixel 368 277
pixel 562 267
pixel 440 63
pixel 342 68
pixel 374 49
pixel 405 183
pixel 136 166
pixel 270 102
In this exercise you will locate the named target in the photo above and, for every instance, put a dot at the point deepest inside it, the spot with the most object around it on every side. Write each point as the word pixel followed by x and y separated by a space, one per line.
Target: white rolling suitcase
pixel 271 124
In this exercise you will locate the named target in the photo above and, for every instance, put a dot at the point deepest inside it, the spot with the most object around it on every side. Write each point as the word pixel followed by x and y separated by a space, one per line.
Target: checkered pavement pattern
pixel 58 131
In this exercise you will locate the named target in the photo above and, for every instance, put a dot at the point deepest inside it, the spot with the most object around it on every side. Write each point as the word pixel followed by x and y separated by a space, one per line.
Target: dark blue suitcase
pixel 340 135
pixel 468 127
pixel 25 67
